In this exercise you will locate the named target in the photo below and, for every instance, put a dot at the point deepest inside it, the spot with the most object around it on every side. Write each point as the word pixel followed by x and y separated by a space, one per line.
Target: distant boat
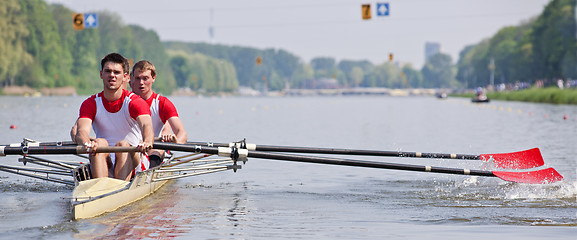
pixel 480 99
pixel 441 95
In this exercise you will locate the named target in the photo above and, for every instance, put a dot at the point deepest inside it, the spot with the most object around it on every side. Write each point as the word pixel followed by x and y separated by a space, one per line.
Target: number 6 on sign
pixel 78 21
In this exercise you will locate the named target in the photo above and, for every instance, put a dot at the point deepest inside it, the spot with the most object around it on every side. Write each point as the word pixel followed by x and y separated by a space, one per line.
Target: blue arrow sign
pixel 90 20
pixel 382 9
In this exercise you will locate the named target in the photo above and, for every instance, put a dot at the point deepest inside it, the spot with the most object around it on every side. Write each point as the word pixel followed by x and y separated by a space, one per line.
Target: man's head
pixel 114 73
pixel 115 58
pixel 142 77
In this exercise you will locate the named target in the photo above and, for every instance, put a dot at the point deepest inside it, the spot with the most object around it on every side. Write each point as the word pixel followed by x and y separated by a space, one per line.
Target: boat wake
pixel 31 185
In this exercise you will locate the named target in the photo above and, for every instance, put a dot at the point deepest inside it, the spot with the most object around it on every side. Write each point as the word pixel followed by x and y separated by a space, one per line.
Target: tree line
pixel 39 48
pixel 542 49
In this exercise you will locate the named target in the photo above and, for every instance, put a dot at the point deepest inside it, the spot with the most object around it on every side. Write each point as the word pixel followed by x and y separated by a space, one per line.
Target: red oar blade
pixel 543 176
pixel 517 160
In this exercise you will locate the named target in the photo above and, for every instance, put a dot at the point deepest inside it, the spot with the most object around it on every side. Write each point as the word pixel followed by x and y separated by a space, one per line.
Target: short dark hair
pixel 116 58
pixel 144 65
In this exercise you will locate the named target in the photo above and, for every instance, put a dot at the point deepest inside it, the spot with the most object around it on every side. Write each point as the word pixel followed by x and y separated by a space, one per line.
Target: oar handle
pixel 26 150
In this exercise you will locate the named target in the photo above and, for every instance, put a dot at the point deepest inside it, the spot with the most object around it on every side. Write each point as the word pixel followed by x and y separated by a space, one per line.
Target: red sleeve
pixel 88 108
pixel 167 109
pixel 138 107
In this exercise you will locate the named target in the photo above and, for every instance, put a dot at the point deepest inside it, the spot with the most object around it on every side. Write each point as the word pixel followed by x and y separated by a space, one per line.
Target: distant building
pixel 431 48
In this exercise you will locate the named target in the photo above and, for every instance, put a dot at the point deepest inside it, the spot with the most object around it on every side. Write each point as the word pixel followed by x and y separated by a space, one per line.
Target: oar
pixel 516 160
pixel 26 150
pixel 37 144
pixel 542 176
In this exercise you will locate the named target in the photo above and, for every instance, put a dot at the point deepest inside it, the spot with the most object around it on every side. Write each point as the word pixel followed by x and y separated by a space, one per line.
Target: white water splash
pixel 558 190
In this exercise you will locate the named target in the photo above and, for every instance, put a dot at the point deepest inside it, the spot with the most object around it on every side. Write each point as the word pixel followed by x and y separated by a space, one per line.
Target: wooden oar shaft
pixel 60 150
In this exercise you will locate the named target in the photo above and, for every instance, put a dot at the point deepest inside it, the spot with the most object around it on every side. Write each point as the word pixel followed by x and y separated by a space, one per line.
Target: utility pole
pixel 210 27
pixel 492 68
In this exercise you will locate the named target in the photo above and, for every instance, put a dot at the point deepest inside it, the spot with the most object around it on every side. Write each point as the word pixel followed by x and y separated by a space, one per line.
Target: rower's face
pixel 113 76
pixel 141 83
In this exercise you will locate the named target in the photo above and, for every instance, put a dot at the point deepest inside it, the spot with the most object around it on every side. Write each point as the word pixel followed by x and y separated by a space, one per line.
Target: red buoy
pixel 13 126
pixel 565 117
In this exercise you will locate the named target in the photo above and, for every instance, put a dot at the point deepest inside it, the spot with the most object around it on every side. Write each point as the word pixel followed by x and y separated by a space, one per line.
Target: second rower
pixel 165 120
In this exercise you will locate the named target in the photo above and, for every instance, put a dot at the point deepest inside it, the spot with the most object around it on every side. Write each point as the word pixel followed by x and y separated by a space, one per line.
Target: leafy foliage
pixel 39 48
pixel 543 48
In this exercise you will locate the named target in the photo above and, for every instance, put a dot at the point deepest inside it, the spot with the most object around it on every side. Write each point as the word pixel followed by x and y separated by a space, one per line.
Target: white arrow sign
pixel 382 9
pixel 90 20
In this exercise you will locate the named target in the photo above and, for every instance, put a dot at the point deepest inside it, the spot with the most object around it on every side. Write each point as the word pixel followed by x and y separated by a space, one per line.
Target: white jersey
pixel 157 123
pixel 117 126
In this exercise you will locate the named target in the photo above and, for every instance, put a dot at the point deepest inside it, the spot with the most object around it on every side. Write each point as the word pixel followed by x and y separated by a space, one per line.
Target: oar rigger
pixel 235 154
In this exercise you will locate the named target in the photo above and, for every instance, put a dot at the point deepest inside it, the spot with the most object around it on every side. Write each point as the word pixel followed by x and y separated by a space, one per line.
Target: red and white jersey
pixel 161 109
pixel 115 121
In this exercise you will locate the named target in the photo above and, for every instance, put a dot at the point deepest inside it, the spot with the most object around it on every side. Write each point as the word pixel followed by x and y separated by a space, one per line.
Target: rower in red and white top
pixel 118 118
pixel 115 121
pixel 166 122
pixel 161 110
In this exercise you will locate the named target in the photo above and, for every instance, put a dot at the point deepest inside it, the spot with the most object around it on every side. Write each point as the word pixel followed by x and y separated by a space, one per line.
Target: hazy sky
pixel 324 28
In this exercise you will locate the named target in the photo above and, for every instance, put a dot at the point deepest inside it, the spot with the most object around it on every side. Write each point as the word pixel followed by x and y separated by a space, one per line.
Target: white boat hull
pixel 101 195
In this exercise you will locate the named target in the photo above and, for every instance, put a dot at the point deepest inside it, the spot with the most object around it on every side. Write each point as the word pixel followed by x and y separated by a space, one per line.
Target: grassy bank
pixel 540 95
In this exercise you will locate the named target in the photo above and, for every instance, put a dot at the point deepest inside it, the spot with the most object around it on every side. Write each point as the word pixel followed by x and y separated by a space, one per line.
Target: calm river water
pixel 270 199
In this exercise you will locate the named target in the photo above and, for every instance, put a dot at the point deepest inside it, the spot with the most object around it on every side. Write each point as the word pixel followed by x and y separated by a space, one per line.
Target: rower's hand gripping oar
pixel 516 160
pixel 541 176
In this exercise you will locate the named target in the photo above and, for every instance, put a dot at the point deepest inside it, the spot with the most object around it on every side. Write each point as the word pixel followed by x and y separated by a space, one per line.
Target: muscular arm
pixel 175 124
pixel 83 130
pixel 73 131
pixel 82 135
pixel 145 124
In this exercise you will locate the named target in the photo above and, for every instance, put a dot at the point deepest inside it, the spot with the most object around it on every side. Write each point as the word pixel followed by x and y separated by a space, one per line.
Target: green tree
pixel 552 37
pixel 209 74
pixel 146 44
pixel 356 75
pixel 347 66
pixel 413 77
pixel 13 32
pixel 438 72
pixel 181 71
pixel 51 66
pixel 302 73
pixel 383 75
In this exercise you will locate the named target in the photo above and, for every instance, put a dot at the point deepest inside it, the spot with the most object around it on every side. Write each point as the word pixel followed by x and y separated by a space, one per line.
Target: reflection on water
pixel 149 218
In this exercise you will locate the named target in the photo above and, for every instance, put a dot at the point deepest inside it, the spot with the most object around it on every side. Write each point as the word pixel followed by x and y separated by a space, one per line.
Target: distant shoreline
pixel 28 91
pixel 551 95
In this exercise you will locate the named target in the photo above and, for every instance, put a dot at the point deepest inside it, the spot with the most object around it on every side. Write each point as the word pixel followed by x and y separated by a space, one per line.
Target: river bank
pixel 537 95
pixel 28 91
